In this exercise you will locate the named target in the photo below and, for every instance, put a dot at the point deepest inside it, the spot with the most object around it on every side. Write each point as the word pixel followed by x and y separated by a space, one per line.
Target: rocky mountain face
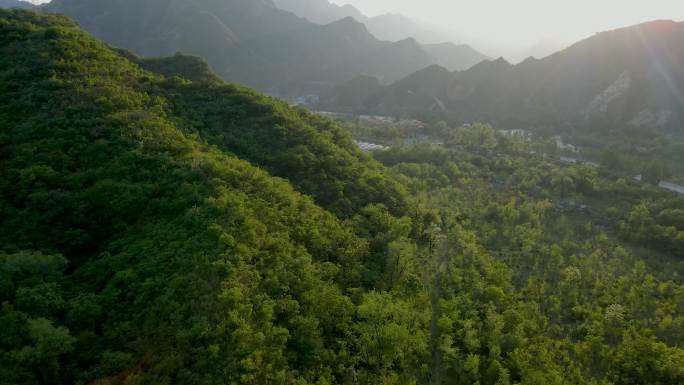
pixel 622 79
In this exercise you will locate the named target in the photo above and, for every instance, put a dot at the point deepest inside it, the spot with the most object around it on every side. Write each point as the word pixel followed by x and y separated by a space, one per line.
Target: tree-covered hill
pixel 188 67
pixel 316 156
pixel 135 247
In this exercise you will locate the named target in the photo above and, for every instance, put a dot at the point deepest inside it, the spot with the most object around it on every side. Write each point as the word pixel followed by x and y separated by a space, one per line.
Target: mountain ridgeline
pixel 254 43
pixel 16 4
pixel 628 79
pixel 392 27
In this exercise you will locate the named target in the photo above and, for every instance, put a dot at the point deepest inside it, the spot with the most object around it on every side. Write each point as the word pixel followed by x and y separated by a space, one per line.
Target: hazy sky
pixel 527 22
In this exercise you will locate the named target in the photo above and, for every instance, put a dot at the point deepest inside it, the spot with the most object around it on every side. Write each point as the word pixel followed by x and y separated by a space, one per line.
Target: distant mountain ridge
pixel 251 42
pixel 627 78
pixel 391 27
pixel 320 11
pixel 16 4
pixel 454 57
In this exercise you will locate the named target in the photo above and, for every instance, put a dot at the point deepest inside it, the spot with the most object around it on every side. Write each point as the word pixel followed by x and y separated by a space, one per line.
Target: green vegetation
pixel 162 227
pixel 542 273
pixel 187 67
pixel 615 89
pixel 290 143
pixel 134 250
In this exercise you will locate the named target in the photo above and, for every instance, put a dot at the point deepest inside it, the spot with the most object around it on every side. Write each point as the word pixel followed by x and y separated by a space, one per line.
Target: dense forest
pixel 160 226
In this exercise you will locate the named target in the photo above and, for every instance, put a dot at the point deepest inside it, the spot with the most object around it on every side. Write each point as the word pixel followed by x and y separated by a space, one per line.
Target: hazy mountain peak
pixel 427 77
pixel 16 4
pixel 448 44
pixel 392 15
pixel 347 20
pixel 348 25
pixel 659 24
pixel 496 64
pixel 409 41
pixel 654 27
pixel 320 11
pixel 454 57
pixel 434 69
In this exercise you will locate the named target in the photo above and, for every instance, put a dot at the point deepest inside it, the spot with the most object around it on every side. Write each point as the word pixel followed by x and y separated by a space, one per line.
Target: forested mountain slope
pixel 136 247
pixel 192 68
pixel 627 79
pixel 315 155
